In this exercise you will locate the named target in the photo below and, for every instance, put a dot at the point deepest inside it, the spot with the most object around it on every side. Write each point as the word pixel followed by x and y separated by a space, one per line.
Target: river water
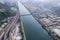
pixel 32 28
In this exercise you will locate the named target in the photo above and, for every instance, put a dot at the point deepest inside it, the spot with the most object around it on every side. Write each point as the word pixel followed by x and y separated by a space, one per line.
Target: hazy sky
pixel 43 0
pixel 39 0
pixel 36 0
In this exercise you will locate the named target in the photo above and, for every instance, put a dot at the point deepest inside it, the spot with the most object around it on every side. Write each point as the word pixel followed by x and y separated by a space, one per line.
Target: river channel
pixel 33 30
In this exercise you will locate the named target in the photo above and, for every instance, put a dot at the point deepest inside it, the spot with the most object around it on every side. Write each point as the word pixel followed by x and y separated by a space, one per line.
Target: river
pixel 32 28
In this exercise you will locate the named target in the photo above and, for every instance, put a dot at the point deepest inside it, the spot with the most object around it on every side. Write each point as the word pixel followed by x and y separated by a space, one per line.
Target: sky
pixel 32 0
pixel 41 0
pixel 45 1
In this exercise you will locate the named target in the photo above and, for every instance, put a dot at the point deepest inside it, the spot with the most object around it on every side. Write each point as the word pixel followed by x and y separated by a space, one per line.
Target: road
pixel 11 24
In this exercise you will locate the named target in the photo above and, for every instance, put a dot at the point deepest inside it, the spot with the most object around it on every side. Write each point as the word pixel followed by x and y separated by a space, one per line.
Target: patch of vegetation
pixel 7 12
pixel 1 31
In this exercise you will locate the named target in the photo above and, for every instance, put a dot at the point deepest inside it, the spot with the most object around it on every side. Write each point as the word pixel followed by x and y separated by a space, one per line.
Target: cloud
pixel 44 0
pixel 24 0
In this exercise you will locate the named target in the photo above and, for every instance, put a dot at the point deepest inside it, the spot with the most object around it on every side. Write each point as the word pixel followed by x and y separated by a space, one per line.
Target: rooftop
pixel 57 31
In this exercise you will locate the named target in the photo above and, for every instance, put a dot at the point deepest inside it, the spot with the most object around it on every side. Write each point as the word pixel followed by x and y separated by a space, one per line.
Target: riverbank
pixel 22 29
pixel 44 27
pixel 17 33
pixel 48 30
pixel 21 24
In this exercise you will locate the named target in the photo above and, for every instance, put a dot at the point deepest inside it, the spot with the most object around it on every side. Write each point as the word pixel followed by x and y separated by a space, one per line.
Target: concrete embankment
pixel 22 29
pixel 21 24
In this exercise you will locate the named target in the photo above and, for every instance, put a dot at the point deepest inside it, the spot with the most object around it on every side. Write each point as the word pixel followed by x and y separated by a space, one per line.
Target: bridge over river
pixel 25 15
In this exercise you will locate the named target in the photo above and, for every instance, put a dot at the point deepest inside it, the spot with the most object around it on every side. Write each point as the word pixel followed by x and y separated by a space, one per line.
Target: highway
pixel 11 24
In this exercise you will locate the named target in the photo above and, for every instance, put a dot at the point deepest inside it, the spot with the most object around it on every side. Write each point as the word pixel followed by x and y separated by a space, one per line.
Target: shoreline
pixel 44 27
pixel 22 29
